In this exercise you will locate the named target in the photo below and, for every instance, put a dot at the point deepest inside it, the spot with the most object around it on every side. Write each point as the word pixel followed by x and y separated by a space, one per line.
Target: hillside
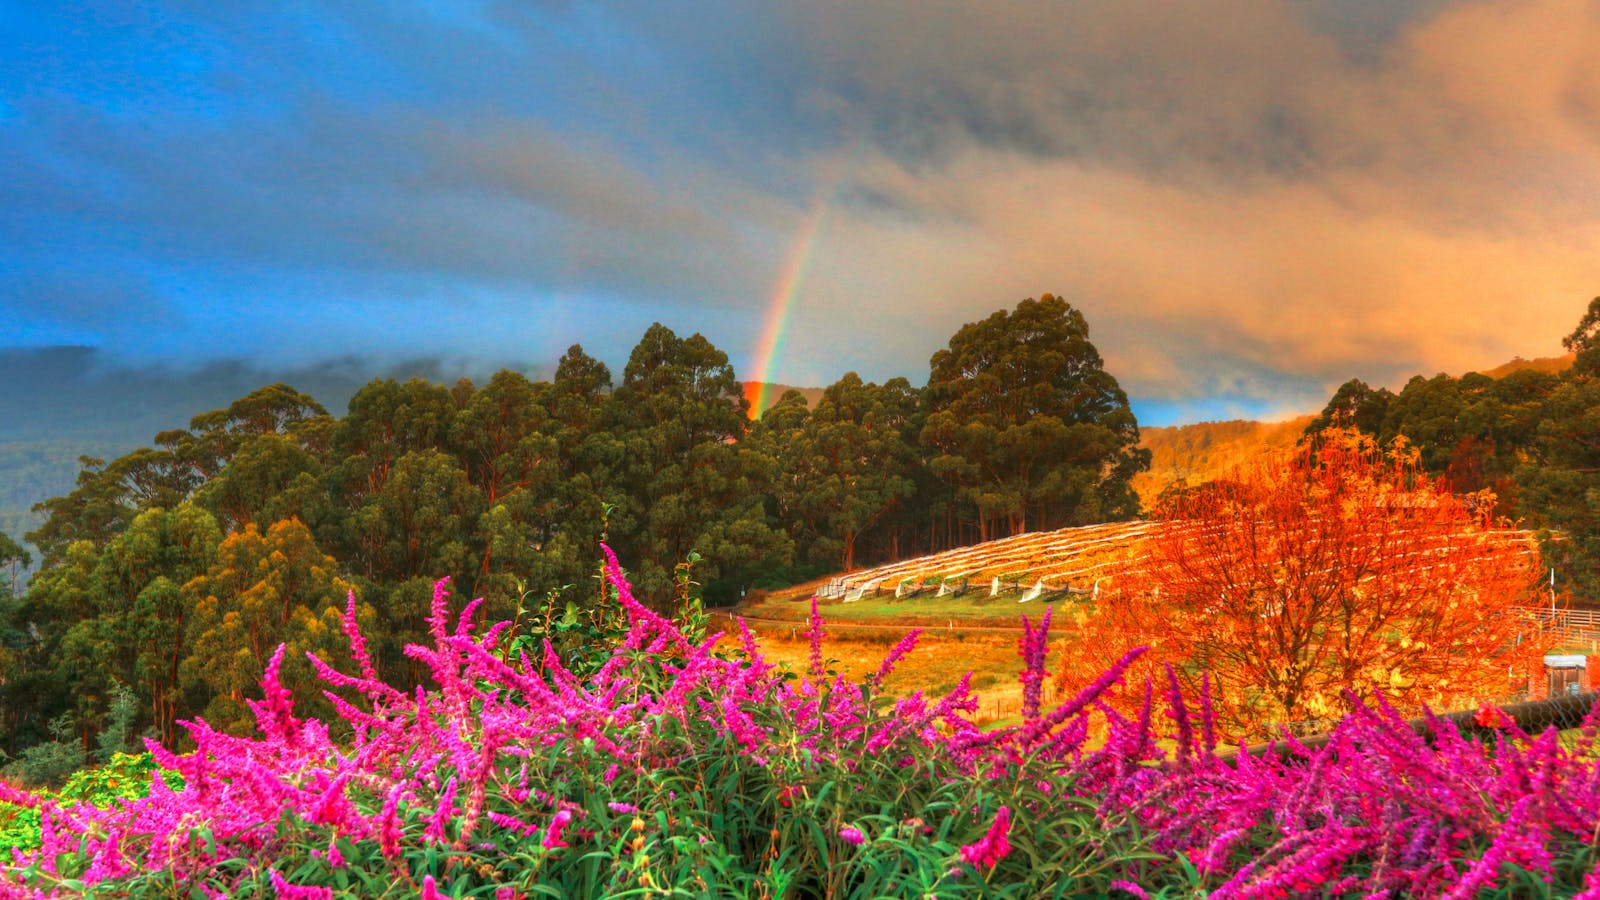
pixel 1202 451
pixel 1550 365
pixel 775 392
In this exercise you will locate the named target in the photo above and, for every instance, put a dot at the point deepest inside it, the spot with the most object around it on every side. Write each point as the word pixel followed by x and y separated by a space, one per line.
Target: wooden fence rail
pixel 1581 624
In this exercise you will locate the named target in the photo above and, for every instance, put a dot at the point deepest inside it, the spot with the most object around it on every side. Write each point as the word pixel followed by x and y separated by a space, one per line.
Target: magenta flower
pixel 558 824
pixel 993 846
pixel 852 835
pixel 905 646
pixel 287 891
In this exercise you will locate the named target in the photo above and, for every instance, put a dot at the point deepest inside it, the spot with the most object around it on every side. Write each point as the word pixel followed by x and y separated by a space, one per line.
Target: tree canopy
pixel 1341 567
pixel 1026 423
pixel 182 562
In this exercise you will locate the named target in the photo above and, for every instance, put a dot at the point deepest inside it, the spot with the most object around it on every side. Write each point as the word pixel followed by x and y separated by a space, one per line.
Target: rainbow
pixel 784 290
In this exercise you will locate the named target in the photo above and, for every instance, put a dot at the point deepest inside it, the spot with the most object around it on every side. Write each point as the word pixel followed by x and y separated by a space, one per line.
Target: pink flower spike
pixel 814 634
pixel 852 835
pixel 430 889
pixel 906 645
pixel 1034 645
pixel 552 835
pixel 358 641
pixel 287 891
pixel 439 610
pixel 993 846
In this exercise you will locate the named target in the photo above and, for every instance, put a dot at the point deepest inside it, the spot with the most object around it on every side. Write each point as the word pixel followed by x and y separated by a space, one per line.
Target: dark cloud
pixel 1251 201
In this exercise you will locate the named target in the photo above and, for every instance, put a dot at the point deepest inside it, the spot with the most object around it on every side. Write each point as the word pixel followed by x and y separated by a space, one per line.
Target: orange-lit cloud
pixel 1252 201
pixel 1251 212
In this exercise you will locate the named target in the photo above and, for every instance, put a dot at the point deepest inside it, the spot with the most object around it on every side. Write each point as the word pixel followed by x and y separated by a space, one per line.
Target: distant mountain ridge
pixel 1550 365
pixel 53 393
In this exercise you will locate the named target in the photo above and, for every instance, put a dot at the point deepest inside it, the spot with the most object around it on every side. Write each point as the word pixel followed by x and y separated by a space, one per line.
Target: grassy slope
pixel 1200 452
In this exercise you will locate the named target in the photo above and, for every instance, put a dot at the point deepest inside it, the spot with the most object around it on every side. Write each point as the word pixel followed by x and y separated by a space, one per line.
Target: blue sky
pixel 1251 201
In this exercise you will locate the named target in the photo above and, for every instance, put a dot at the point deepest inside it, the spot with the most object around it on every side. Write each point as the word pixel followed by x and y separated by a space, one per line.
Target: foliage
pixel 1559 479
pixel 677 770
pixel 262 590
pixel 844 465
pixel 1355 406
pixel 1584 340
pixel 502 486
pixel 684 480
pixel 1339 569
pixel 1026 422
pixel 117 738
pixel 120 776
pixel 117 616
pixel 49 763
pixel 1472 432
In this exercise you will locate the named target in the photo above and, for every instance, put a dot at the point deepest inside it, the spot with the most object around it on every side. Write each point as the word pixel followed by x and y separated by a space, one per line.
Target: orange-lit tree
pixel 1335 567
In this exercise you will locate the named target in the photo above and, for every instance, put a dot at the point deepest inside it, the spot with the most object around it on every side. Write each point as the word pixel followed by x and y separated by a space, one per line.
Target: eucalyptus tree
pixel 1028 425
pixel 848 463
pixel 681 478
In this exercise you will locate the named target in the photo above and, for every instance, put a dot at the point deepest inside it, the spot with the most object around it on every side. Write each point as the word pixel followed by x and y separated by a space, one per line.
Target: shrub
pixel 48 764
pixel 679 769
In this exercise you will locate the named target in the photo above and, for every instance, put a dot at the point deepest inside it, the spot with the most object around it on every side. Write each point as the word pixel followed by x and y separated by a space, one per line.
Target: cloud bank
pixel 1250 201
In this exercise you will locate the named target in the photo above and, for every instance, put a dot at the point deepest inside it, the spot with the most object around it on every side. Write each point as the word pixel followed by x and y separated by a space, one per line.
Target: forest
pixel 171 573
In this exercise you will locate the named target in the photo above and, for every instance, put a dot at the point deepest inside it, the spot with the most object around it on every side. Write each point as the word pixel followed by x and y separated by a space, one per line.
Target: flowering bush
pixel 680 769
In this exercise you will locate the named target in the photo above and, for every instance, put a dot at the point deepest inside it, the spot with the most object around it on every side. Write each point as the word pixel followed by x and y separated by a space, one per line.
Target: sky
pixel 1252 201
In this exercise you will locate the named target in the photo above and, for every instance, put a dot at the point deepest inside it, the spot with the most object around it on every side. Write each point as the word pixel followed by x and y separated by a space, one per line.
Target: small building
pixel 1567 675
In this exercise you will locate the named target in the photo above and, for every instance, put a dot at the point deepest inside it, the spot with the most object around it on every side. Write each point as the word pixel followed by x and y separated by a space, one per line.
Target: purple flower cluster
pixel 987 851
pixel 1032 646
pixel 1378 810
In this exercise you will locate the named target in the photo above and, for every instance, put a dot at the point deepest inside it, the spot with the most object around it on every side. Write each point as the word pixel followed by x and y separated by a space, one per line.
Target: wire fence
pixel 995 706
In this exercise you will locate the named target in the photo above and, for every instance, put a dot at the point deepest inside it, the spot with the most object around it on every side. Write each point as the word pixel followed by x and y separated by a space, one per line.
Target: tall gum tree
pixel 682 478
pixel 502 437
pixel 264 588
pixel 117 614
pixel 847 463
pixel 1027 424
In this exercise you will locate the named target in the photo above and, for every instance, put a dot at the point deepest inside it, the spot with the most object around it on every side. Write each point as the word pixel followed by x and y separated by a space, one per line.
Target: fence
pixel 1581 624
pixel 993 706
